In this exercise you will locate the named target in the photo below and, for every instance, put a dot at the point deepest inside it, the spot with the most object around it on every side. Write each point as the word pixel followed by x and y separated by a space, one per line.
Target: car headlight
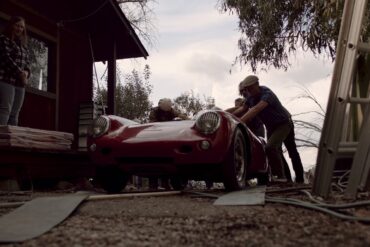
pixel 100 126
pixel 208 122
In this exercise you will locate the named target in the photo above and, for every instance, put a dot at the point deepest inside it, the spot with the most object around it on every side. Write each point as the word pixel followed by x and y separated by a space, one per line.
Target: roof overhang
pixel 102 20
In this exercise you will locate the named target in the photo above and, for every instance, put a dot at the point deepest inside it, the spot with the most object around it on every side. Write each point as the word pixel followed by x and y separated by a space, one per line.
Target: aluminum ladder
pixel 334 140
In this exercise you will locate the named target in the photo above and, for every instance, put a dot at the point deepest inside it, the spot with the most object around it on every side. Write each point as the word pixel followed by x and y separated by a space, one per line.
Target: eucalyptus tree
pixel 271 30
pixel 141 17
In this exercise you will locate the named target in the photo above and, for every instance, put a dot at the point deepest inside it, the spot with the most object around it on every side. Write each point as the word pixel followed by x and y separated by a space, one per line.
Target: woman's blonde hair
pixel 9 29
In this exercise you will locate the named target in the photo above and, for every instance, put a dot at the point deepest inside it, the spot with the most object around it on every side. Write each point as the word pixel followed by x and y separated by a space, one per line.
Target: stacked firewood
pixel 15 136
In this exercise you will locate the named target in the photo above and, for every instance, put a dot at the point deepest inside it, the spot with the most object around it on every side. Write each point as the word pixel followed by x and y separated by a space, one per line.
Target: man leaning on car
pixel 265 105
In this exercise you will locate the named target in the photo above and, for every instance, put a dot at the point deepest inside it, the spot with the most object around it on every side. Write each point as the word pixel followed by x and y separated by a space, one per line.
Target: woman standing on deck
pixel 14 70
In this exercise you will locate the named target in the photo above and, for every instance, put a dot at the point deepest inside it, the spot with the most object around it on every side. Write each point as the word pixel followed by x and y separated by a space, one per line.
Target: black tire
pixel 235 165
pixel 209 183
pixel 263 178
pixel 178 183
pixel 111 179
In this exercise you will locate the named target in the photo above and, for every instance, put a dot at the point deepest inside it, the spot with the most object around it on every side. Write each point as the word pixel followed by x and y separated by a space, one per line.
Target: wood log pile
pixel 15 136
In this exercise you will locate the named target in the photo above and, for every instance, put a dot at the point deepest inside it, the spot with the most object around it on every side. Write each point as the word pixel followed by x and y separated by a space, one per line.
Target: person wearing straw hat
pixel 161 113
pixel 164 112
pixel 265 105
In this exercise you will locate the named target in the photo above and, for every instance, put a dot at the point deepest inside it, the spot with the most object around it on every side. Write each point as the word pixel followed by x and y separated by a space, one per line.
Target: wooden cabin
pixel 69 35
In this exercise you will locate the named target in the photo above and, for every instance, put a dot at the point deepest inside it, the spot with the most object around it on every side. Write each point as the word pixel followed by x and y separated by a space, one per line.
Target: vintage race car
pixel 213 146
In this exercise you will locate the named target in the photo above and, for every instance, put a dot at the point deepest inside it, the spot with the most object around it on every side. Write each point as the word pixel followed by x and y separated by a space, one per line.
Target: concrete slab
pixel 250 196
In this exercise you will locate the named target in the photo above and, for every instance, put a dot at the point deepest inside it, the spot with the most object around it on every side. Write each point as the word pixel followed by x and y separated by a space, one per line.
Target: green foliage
pixel 273 29
pixel 189 104
pixel 132 96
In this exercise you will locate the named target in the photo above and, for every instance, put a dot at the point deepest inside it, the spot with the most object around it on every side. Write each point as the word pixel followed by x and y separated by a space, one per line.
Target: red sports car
pixel 213 146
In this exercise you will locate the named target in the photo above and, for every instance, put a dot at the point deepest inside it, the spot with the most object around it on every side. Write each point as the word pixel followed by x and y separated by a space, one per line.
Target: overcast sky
pixel 195 49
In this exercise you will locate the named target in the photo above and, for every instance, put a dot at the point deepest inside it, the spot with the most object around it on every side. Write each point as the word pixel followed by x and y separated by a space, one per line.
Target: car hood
pixel 159 131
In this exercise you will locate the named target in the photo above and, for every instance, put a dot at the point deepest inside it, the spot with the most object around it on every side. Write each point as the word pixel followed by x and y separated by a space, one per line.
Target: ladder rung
pixel 347 147
pixel 348 144
pixel 345 150
pixel 364 47
pixel 359 100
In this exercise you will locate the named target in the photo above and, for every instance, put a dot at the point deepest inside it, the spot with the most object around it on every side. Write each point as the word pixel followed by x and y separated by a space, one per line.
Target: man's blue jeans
pixel 11 101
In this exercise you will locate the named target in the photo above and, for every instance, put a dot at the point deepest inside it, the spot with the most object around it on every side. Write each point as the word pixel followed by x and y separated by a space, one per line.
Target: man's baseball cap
pixel 248 81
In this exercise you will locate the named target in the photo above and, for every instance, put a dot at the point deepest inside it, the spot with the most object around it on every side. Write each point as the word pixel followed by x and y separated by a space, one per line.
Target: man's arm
pixel 183 116
pixel 232 109
pixel 253 112
pixel 238 110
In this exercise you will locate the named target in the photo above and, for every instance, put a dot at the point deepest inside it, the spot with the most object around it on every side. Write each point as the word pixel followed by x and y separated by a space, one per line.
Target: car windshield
pixel 127 122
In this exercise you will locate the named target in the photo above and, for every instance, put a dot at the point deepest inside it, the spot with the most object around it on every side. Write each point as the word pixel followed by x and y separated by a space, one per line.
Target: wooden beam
pixel 112 80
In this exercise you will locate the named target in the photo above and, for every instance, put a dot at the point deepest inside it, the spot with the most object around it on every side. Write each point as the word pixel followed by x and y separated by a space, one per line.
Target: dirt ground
pixel 192 220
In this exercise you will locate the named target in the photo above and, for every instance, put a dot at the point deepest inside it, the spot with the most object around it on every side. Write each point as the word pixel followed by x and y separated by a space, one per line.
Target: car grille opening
pixel 185 149
pixel 106 151
pixel 145 160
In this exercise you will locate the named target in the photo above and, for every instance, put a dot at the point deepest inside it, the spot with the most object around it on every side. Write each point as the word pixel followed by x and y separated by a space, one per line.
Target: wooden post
pixel 112 81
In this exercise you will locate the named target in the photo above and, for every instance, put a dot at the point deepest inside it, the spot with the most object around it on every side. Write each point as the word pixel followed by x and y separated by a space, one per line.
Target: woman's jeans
pixel 11 101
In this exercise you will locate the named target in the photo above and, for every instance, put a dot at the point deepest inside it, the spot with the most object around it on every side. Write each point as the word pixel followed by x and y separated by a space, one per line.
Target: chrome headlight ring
pixel 100 126
pixel 208 122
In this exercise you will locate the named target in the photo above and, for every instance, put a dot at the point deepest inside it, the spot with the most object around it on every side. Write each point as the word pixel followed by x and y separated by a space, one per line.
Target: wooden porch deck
pixel 20 162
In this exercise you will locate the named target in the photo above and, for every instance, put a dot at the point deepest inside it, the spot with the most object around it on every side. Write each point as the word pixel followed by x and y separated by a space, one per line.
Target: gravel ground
pixel 189 220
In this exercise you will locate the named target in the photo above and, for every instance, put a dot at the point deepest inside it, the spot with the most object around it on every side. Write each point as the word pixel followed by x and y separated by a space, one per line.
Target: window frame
pixel 51 63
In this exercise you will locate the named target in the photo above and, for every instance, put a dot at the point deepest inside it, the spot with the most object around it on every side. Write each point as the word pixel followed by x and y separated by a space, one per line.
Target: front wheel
pixel 263 178
pixel 178 183
pixel 235 165
pixel 111 179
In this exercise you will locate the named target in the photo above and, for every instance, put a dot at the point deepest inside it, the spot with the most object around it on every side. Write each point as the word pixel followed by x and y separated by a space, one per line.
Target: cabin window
pixel 39 60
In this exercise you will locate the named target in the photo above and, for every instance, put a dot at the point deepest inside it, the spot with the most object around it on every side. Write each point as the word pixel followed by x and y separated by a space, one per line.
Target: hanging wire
pixel 341 179
pixel 317 207
pixel 86 16
pixel 105 71
pixel 96 74
pixel 337 206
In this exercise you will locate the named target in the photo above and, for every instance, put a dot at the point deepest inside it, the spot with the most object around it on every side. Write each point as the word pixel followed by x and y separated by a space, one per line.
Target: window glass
pixel 39 54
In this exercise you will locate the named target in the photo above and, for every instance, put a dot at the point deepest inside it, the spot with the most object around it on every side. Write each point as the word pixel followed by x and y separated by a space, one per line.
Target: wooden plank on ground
pixel 37 217
pixel 250 196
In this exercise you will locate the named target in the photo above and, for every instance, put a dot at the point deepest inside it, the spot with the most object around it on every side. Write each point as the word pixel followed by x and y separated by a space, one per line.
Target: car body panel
pixel 173 148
